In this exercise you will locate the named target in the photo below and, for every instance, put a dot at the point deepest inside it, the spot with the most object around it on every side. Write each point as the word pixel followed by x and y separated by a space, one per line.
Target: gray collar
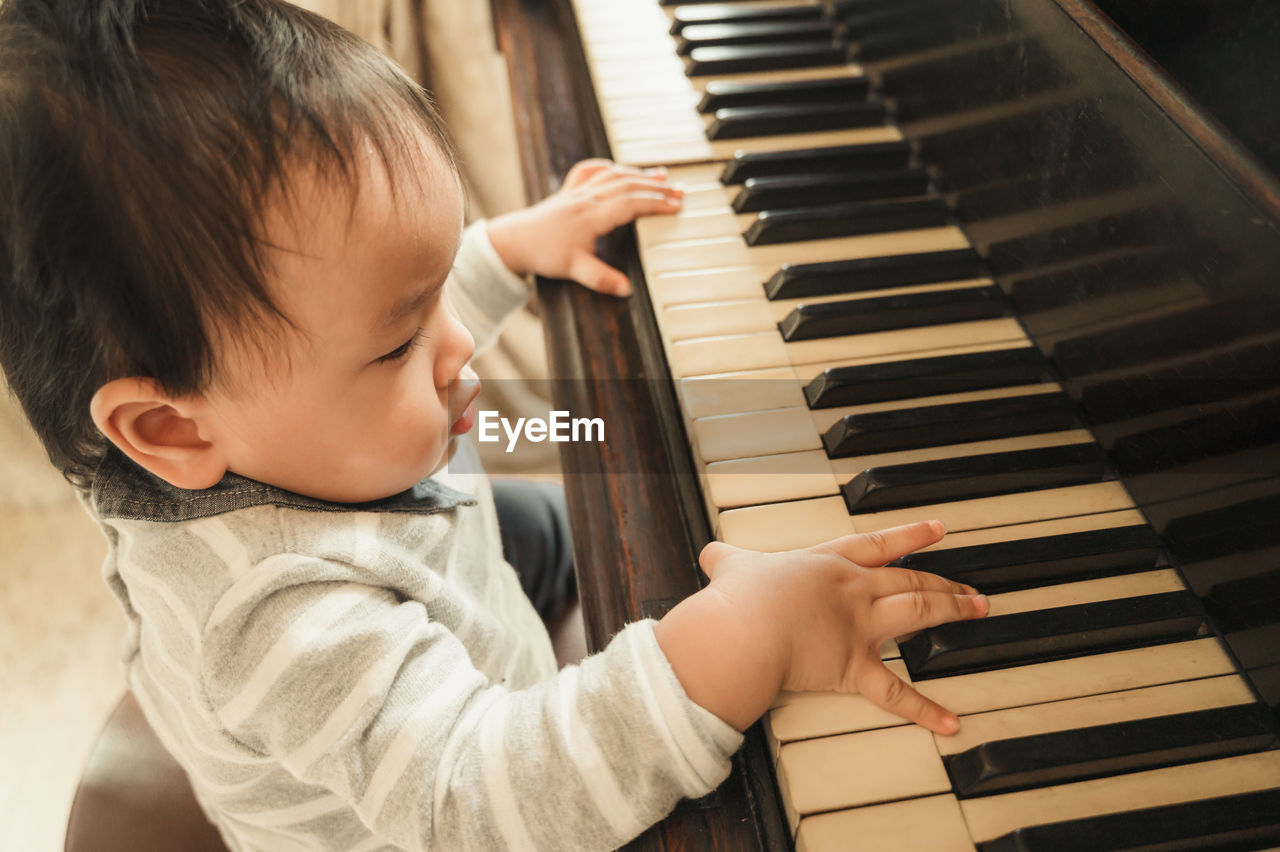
pixel 122 490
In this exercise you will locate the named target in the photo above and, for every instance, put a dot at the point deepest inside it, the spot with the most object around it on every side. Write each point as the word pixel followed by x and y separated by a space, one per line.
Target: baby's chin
pixel 446 456
pixel 408 476
pixel 451 448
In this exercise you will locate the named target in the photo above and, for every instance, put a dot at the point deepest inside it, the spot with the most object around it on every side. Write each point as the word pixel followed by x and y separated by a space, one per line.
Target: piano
pixel 978 260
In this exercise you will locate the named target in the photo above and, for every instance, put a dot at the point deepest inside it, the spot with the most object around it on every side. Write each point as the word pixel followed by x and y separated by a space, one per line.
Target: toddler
pixel 237 303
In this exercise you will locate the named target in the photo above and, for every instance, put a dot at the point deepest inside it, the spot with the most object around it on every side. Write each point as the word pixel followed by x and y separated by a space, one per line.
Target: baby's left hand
pixel 556 237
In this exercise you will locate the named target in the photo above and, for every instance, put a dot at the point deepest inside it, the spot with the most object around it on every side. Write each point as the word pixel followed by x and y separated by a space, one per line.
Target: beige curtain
pixel 448 46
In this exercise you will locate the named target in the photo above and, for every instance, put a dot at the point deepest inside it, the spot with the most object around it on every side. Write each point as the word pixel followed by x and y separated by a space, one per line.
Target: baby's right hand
pixel 814 619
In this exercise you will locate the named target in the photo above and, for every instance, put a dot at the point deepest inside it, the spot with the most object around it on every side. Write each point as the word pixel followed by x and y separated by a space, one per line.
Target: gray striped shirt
pixel 373 677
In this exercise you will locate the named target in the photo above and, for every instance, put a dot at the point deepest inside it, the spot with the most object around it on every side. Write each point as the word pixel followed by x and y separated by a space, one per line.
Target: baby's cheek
pixel 427 428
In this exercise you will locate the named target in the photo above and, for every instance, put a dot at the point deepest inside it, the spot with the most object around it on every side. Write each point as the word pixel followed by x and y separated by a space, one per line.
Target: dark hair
pixel 138 142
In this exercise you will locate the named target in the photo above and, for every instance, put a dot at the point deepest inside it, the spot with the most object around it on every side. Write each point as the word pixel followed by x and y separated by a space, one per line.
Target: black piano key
pixel 921 377
pixel 873 155
pixel 1247 602
pixel 1236 528
pixel 803 280
pixel 849 7
pixel 772 32
pixel 1063 757
pixel 938 425
pixel 904 310
pixel 1214 326
pixel 768 57
pixel 1010 565
pixel 719 13
pixel 847 220
pixel 1238 372
pixel 1243 821
pixel 743 122
pixel 1052 634
pixel 720 94
pixel 899 486
pixel 773 193
pixel 1232 429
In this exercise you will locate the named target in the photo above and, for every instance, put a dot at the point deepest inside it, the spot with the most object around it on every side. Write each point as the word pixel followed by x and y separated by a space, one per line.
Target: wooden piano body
pixel 1139 242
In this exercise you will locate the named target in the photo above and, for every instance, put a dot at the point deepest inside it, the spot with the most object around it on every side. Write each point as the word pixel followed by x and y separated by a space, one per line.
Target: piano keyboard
pixel 844 366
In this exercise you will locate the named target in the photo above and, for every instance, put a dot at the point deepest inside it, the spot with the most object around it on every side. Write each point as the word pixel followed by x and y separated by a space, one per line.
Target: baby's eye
pixel 403 349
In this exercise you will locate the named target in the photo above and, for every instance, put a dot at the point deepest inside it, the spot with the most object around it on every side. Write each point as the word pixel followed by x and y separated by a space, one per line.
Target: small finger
pixel 713 555
pixel 878 548
pixel 887 690
pixel 894 581
pixel 620 211
pixel 632 184
pixel 614 172
pixel 594 274
pixel 897 615
pixel 583 171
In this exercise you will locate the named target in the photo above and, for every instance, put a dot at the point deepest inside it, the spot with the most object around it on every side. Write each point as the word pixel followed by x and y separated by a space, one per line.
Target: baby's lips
pixel 462 392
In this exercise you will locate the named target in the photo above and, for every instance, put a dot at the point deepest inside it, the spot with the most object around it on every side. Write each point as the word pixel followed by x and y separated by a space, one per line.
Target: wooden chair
pixel 134 797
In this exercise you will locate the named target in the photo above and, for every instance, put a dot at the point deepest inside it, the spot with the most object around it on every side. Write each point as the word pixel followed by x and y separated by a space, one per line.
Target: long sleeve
pixel 361 692
pixel 482 289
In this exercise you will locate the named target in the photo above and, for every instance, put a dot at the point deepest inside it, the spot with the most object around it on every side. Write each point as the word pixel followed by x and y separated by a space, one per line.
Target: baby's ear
pixel 157 431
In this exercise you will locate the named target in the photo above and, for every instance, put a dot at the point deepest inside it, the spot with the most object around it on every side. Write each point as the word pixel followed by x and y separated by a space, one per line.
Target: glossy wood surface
pixel 638 522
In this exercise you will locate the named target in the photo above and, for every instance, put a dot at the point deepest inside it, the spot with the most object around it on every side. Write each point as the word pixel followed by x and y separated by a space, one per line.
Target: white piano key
pixel 669 106
pixel 692 225
pixel 1079 676
pixel 760 479
pixel 730 393
pixel 771 479
pixel 990 817
pixel 786 75
pixel 719 354
pixel 701 176
pixel 689 150
pixel 746 391
pixel 759 314
pixel 1108 708
pixel 709 319
pixel 822 775
pixel 706 285
pixel 731 250
pixel 1087 591
pixel 799 716
pixel 1038 529
pixel 947 346
pixel 661 153
pixel 619 90
pixel 657 129
pixel 933 824
pixel 609 68
pixel 1006 509
pixel 700 197
pixel 740 436
pixel 785 526
pixel 764 350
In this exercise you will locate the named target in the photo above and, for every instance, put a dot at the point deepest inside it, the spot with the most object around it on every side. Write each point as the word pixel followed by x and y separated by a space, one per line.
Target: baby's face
pixel 363 399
